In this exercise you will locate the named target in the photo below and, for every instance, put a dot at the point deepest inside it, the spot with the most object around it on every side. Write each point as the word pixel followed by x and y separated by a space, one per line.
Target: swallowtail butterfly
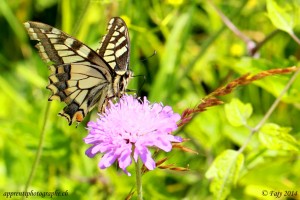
pixel 80 76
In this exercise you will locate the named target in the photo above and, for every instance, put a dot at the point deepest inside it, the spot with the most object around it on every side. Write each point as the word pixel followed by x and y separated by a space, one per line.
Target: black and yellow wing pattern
pixel 80 76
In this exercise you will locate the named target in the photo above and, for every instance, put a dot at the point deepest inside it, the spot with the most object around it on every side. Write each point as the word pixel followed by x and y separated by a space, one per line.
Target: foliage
pixel 245 147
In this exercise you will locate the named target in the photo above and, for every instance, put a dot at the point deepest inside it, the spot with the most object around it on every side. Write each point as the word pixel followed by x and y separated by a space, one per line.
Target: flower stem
pixel 138 170
pixel 39 150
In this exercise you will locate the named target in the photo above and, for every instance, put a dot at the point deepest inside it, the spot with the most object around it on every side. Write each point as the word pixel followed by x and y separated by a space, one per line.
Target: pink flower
pixel 128 128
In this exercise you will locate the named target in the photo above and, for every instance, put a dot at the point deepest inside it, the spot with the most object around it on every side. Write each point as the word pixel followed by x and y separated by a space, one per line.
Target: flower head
pixel 128 128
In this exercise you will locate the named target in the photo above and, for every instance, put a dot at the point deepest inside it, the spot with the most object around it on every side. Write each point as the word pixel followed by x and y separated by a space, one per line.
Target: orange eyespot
pixel 79 117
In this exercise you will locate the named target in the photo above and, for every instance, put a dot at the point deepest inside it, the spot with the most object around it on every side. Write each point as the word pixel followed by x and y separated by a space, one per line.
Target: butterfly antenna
pixel 141 85
pixel 144 77
pixel 154 53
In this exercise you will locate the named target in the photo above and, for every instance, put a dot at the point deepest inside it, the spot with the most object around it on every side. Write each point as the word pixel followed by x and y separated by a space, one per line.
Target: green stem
pixel 270 111
pixel 138 170
pixel 295 38
pixel 39 150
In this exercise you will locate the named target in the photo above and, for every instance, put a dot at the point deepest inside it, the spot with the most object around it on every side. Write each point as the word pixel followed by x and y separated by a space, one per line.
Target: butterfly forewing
pixel 114 47
pixel 80 76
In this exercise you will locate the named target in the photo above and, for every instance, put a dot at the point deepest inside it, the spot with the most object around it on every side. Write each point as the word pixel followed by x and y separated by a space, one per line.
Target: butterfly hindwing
pixel 80 76
pixel 81 87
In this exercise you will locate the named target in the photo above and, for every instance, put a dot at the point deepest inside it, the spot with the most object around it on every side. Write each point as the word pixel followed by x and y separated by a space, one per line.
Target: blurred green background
pixel 196 53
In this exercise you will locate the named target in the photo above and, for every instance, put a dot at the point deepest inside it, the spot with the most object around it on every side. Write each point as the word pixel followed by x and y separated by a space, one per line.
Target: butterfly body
pixel 80 76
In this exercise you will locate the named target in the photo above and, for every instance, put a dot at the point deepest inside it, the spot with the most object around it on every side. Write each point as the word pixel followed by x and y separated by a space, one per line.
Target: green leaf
pixel 225 172
pixel 275 137
pixel 31 76
pixel 237 112
pixel 7 89
pixel 280 17
pixel 166 76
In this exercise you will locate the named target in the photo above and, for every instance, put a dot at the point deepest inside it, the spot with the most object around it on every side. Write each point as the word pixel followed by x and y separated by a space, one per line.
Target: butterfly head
pixel 125 80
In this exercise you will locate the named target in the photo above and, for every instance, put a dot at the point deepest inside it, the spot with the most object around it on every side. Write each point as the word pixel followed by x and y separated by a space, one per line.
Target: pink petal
pixel 107 160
